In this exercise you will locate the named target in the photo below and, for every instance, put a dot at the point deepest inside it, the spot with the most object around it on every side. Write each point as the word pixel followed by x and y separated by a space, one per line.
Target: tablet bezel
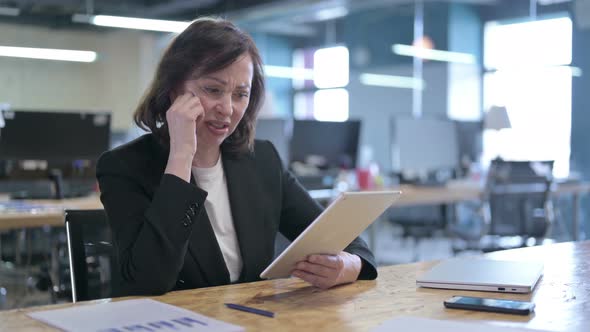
pixel 282 266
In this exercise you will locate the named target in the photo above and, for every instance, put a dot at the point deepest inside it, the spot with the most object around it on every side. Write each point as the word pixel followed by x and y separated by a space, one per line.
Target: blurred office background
pixel 369 94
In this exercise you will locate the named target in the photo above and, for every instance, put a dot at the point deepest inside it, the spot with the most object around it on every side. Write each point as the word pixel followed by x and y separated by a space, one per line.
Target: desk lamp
pixel 496 118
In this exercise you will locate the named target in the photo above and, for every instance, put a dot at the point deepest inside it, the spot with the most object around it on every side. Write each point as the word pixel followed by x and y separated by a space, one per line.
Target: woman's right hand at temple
pixel 182 118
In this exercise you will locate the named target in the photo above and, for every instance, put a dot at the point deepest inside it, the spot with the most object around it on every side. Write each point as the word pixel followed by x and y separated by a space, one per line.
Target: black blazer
pixel 161 231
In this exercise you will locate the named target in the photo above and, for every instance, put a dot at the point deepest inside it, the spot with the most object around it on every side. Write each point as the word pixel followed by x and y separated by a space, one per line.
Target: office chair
pixel 91 254
pixel 418 223
pixel 520 199
pixel 516 203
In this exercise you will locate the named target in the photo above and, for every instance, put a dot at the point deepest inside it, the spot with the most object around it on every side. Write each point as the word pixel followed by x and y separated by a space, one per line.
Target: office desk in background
pixel 562 299
pixel 18 215
pixel 459 191
pixel 412 195
pixel 452 192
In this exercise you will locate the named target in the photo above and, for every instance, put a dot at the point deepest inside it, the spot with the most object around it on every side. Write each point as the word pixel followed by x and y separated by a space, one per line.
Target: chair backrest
pixel 519 198
pixel 91 254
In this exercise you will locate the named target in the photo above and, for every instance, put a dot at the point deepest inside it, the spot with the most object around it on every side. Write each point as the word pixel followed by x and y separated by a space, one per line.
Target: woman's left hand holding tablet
pixel 325 271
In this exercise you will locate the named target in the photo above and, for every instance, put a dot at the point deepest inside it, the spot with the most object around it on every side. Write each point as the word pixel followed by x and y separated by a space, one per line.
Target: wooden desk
pixel 461 191
pixel 53 216
pixel 562 299
pixel 453 192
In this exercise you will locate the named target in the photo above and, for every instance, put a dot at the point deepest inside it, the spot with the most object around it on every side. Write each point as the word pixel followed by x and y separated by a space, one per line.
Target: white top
pixel 213 181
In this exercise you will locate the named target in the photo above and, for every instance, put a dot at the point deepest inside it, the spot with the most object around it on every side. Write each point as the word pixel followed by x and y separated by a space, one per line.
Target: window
pixel 330 66
pixel 327 98
pixel 527 71
pixel 330 105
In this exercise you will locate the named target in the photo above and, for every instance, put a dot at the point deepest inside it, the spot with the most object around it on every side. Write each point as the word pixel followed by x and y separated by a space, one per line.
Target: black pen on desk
pixel 252 310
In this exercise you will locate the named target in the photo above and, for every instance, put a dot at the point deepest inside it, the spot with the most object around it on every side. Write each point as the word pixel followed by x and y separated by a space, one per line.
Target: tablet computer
pixel 335 228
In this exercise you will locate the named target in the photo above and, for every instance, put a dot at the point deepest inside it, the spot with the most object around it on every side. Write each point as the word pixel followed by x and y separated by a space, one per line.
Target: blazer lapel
pixel 204 248
pixel 245 197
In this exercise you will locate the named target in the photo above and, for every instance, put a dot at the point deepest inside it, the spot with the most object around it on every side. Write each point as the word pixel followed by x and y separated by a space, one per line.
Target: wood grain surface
pixel 562 299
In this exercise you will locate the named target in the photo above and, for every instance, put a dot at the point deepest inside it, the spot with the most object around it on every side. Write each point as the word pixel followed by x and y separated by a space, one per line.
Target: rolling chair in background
pixel 516 208
pixel 520 199
pixel 91 254
pixel 418 223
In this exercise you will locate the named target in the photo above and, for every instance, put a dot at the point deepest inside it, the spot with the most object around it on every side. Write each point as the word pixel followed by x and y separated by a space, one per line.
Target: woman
pixel 197 202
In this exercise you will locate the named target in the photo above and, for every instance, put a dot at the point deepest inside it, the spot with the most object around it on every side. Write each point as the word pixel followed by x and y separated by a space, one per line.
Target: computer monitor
pixel 278 131
pixel 51 154
pixel 329 144
pixel 423 145
pixel 54 136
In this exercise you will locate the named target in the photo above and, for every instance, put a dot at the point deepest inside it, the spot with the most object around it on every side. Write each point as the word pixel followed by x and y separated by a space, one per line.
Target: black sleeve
pixel 299 210
pixel 150 232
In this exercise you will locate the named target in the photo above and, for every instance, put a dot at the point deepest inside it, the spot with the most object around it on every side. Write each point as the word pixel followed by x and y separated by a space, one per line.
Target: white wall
pixel 115 82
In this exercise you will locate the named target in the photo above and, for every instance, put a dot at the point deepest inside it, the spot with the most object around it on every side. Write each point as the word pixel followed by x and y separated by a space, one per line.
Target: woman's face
pixel 225 95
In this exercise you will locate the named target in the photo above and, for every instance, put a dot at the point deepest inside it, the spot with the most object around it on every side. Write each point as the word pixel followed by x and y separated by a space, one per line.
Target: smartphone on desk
pixel 491 305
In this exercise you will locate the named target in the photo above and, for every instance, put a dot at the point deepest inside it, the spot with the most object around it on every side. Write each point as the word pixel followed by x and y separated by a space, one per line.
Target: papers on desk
pixel 427 325
pixel 131 315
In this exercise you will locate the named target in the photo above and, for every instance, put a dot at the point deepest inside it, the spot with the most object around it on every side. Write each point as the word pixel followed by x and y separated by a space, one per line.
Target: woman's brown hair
pixel 206 46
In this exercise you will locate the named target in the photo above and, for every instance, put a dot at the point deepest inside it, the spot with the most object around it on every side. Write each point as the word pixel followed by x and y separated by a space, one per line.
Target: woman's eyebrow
pixel 224 82
pixel 245 86
pixel 215 79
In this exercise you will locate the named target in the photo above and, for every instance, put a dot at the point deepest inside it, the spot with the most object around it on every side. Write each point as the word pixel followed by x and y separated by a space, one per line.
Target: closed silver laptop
pixel 483 275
